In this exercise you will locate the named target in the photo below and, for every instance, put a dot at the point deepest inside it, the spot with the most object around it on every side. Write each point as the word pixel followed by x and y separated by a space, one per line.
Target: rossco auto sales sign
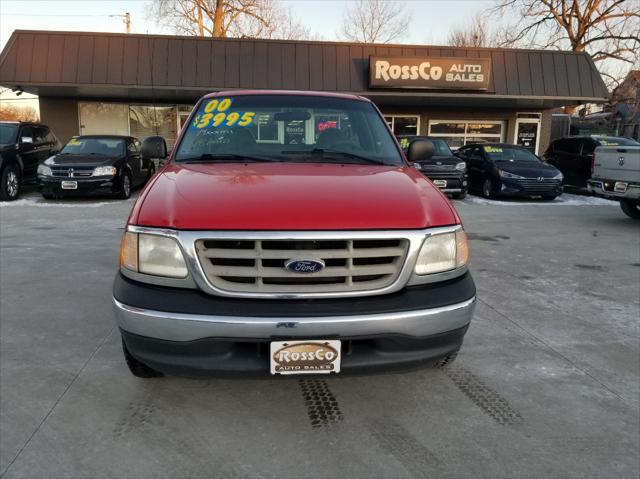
pixel 429 73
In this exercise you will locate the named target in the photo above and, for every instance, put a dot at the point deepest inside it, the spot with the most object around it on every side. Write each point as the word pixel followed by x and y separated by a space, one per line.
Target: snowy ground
pixel 566 199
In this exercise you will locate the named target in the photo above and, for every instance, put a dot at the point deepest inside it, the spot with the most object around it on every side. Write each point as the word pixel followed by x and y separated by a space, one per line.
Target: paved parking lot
pixel 547 384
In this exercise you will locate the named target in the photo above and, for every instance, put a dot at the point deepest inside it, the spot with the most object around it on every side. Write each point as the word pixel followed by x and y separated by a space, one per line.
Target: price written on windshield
pixel 216 113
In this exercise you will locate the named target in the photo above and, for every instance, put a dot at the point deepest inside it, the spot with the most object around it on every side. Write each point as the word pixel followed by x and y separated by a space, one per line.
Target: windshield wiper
pixel 227 157
pixel 324 151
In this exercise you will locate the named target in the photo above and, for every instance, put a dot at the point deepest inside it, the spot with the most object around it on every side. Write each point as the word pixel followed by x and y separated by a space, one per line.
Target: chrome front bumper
pixel 189 327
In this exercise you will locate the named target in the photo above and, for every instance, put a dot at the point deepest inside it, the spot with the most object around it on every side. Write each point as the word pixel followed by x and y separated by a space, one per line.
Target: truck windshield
pixel 94 146
pixel 8 134
pixel 296 128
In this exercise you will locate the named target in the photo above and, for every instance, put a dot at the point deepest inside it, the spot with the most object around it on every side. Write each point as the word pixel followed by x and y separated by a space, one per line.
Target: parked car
pixel 573 155
pixel 22 146
pixel 320 250
pixel 499 169
pixel 108 164
pixel 616 174
pixel 445 169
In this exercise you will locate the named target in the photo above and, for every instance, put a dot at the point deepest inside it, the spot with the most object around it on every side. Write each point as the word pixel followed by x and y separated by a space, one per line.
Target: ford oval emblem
pixel 304 266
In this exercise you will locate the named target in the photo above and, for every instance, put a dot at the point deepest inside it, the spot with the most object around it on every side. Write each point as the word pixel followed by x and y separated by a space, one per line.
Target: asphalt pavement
pixel 546 385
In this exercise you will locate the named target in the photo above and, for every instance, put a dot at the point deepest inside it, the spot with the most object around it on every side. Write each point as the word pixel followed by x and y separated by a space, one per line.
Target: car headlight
pixel 461 166
pixel 559 176
pixel 105 171
pixel 443 252
pixel 44 170
pixel 152 254
pixel 506 174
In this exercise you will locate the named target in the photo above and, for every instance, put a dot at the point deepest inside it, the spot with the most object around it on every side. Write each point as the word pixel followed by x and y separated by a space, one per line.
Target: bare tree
pixel 229 18
pixel 9 112
pixel 608 30
pixel 475 34
pixel 375 21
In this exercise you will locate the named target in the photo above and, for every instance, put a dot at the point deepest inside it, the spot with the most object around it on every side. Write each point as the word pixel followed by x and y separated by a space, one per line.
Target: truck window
pixel 301 128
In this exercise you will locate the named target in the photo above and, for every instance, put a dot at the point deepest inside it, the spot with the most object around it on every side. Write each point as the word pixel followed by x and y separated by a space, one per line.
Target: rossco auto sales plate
pixel 305 357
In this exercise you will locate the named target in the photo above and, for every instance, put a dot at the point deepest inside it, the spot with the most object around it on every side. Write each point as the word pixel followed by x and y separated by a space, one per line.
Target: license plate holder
pixel 69 185
pixel 620 187
pixel 440 183
pixel 317 356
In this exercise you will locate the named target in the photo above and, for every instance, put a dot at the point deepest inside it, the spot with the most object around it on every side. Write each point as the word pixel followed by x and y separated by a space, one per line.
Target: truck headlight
pixel 443 252
pixel 461 166
pixel 44 170
pixel 105 171
pixel 152 254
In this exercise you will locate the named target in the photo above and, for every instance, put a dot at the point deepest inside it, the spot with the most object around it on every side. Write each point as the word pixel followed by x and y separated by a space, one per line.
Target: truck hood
pixel 291 196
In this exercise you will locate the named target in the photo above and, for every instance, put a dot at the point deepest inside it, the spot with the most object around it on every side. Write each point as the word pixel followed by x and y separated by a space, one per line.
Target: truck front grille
pixel 258 266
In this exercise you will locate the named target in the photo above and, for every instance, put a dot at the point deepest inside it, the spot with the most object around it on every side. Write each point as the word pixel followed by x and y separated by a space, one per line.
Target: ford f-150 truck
pixel 288 234
pixel 616 174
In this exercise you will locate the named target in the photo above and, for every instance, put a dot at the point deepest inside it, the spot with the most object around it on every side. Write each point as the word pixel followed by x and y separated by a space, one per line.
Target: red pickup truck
pixel 288 234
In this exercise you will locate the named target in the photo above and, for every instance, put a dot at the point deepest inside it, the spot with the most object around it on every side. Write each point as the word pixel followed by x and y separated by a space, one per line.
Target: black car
pixel 573 155
pixel 107 164
pixel 498 169
pixel 22 146
pixel 446 170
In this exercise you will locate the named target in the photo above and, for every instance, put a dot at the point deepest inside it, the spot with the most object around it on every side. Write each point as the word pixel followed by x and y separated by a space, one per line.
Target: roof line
pixel 309 42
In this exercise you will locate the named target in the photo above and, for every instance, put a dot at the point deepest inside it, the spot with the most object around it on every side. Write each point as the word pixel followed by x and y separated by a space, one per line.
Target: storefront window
pixel 145 120
pixel 459 133
pixel 403 125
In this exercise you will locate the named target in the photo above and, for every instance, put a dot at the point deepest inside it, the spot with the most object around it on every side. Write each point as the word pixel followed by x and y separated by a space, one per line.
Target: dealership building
pixel 139 85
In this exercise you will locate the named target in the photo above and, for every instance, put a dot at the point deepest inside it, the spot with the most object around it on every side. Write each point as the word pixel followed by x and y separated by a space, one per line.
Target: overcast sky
pixel 432 19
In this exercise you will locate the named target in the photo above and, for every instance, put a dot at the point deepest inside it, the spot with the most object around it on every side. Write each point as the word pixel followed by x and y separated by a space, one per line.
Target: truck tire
pixel 631 208
pixel 9 183
pixel 448 359
pixel 137 368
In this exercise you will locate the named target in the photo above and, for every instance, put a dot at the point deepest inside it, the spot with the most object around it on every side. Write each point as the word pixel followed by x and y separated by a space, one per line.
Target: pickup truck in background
pixel 616 174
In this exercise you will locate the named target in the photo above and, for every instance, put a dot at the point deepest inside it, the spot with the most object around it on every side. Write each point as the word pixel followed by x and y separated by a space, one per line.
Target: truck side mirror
pixel 154 147
pixel 420 150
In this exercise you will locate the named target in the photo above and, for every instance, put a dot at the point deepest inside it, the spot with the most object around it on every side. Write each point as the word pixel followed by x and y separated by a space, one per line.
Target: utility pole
pixel 126 18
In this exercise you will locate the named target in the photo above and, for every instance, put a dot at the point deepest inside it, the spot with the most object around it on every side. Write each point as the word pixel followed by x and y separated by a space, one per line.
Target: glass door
pixel 528 134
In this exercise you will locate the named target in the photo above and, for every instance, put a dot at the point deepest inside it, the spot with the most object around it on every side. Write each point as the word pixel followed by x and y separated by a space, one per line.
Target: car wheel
pixel 125 189
pixel 460 196
pixel 137 368
pixel 448 359
pixel 631 208
pixel 10 183
pixel 487 188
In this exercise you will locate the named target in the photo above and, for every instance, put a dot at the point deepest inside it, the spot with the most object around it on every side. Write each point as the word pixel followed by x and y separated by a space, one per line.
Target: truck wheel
pixel 631 208
pixel 9 183
pixel 138 369
pixel 448 359
pixel 487 188
pixel 460 196
pixel 125 189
